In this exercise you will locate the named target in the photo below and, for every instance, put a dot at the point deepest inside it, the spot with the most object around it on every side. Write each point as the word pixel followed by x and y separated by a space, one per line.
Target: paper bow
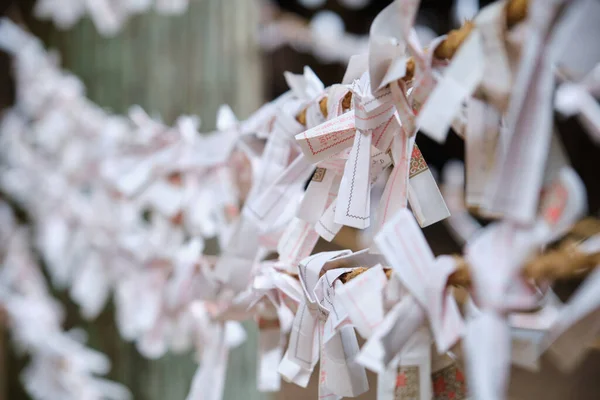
pixel 303 348
pixel 307 86
pixel 282 294
pixel 324 185
pixel 139 302
pixel 388 39
pixel 367 119
pixel 322 190
pixel 371 121
pixel 366 298
pixel 392 39
pixel 363 299
pixel 152 303
pixel 411 180
pixel 400 338
pixel 403 244
pixel 270 204
pixel 496 258
pixel 327 227
pixel 317 329
pixel 278 180
pixel 382 354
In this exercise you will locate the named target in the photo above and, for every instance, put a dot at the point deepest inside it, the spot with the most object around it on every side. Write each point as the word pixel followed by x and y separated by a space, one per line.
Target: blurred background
pixel 235 52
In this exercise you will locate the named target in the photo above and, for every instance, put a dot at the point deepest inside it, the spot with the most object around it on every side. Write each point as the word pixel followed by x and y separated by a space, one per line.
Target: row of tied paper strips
pixel 108 16
pixel 124 204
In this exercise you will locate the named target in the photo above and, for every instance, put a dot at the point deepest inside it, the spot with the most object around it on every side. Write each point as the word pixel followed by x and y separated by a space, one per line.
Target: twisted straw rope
pixel 564 262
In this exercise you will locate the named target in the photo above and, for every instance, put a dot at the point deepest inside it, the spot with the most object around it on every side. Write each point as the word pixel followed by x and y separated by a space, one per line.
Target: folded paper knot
pixel 564 262
pixel 303 348
pixel 371 122
pixel 402 243
pixel 567 261
pixel 410 181
pixel 368 125
pixel 361 291
pixel 277 298
pixel 306 87
pixel 370 112
pixel 320 331
pixel 281 290
pixel 496 259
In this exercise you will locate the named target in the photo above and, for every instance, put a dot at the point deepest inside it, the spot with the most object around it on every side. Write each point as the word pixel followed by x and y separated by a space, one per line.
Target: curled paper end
pixel 356 67
pixel 235 334
pixel 314 85
pixel 189 125
pixel 138 116
pixel 226 118
pixel 387 49
pixel 454 173
pixel 567 100
pixel 305 87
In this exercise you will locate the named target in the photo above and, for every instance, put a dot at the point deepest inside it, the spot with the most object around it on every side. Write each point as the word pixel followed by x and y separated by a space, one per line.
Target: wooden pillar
pixel 169 65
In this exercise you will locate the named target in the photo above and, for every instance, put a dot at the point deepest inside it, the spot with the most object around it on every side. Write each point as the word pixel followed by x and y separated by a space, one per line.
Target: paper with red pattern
pixel 417 162
pixel 327 139
pixel 449 383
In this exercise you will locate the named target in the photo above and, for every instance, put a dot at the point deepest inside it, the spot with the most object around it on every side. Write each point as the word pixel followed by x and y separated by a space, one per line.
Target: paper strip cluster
pixel 125 205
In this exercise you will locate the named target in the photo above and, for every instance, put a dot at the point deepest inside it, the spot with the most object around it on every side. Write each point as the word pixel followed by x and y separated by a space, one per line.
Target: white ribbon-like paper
pixel 402 243
pixel 496 258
